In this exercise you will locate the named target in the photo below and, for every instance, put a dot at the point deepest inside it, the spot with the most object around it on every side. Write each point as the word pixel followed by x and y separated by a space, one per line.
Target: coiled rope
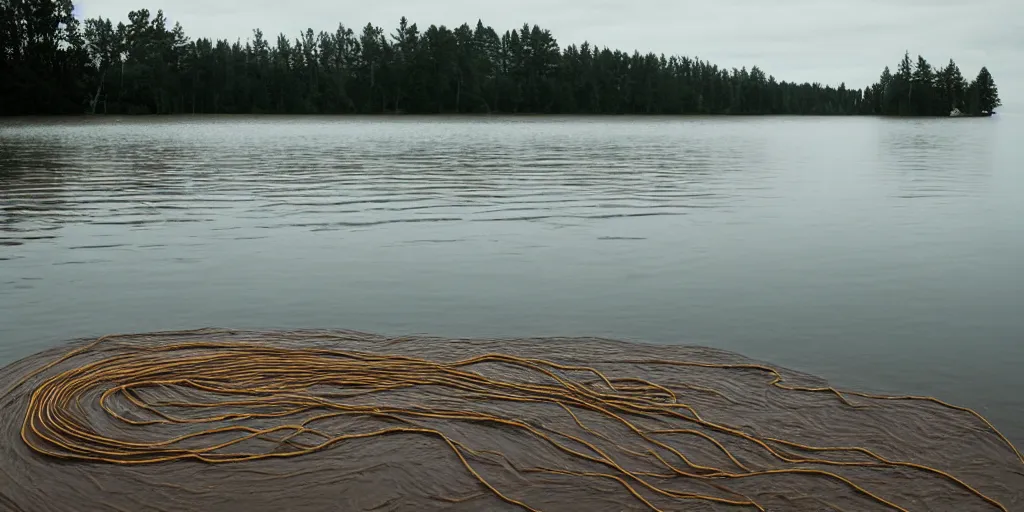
pixel 255 382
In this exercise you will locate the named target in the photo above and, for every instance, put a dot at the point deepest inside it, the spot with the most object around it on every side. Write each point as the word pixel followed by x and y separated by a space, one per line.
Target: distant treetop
pixel 52 65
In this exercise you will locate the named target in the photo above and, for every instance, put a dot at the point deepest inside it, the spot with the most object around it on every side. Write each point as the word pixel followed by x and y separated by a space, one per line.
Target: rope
pixel 255 382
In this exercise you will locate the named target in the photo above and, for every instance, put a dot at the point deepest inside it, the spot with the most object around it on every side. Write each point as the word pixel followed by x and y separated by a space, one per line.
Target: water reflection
pixel 938 157
pixel 327 181
pixel 865 250
pixel 32 202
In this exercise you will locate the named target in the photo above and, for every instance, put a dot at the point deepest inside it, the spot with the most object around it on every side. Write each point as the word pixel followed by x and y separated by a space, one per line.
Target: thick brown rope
pixel 255 381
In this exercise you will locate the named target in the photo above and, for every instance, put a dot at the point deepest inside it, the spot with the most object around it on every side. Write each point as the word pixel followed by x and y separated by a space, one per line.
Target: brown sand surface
pixel 336 420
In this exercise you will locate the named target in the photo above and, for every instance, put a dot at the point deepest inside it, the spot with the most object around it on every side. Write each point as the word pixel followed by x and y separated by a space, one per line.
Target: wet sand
pixel 319 420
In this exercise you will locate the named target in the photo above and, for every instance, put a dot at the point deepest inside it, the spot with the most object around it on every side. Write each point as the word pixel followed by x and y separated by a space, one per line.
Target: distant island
pixel 53 65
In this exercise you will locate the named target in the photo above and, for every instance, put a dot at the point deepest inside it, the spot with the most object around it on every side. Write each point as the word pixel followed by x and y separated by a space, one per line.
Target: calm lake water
pixel 881 254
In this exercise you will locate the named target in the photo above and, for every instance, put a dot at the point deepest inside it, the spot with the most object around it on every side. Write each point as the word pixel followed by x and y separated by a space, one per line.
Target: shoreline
pixel 478 115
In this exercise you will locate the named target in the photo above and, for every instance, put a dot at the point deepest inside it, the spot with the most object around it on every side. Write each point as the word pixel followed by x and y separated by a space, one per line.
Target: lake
pixel 882 254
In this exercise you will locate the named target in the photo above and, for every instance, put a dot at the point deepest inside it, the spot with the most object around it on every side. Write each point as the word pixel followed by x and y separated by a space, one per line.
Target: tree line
pixel 52 64
pixel 918 89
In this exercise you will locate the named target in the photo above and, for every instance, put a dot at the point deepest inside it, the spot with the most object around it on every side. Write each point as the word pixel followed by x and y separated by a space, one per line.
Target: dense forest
pixel 54 64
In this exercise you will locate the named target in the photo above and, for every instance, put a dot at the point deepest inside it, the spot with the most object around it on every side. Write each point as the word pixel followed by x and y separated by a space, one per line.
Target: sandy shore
pixel 335 420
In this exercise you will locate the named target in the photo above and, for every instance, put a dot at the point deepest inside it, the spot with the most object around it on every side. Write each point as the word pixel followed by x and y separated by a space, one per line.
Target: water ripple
pixel 871 248
pixel 349 176
pixel 336 175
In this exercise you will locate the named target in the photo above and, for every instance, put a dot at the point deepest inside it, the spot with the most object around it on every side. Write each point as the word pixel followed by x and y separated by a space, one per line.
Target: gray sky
pixel 830 41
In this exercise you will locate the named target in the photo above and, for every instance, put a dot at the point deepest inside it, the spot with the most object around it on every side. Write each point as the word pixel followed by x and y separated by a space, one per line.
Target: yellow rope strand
pixel 255 381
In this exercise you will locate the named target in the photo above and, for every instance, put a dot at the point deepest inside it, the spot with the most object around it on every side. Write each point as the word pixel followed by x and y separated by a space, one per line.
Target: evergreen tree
pixel 904 87
pixel 927 92
pixel 47 65
pixel 988 94
pixel 43 61
pixel 951 88
pixel 924 102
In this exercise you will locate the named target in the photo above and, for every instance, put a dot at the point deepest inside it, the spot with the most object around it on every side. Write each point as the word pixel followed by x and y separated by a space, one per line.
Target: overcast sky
pixel 830 41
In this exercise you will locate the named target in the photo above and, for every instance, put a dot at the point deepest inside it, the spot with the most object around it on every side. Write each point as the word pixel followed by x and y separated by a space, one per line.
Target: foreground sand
pixel 332 420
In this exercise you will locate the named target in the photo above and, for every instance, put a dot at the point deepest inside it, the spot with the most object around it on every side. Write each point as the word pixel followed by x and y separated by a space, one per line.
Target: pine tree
pixel 143 66
pixel 904 86
pixel 924 91
pixel 923 80
pixel 954 87
pixel 43 60
pixel 988 94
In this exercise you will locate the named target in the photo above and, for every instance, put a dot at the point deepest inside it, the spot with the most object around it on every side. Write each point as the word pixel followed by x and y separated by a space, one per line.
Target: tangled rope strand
pixel 259 382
